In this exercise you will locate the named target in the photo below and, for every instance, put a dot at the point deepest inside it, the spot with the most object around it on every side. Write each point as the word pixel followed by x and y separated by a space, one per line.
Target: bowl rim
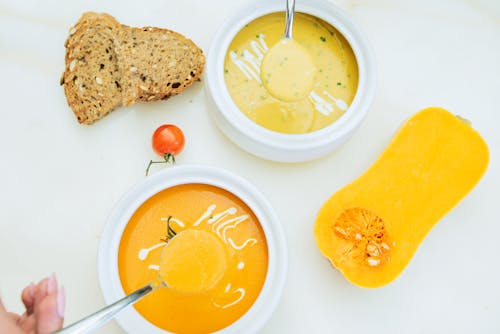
pixel 342 127
pixel 107 259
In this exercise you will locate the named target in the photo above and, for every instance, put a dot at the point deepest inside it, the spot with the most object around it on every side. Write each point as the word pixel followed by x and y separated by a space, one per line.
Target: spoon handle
pixel 290 9
pixel 99 318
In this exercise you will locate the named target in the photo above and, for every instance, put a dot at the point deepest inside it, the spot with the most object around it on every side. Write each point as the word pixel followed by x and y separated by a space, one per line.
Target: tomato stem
pixel 167 158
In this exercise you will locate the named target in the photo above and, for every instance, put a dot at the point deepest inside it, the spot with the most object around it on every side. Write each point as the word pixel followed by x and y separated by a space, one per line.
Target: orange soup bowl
pixel 204 198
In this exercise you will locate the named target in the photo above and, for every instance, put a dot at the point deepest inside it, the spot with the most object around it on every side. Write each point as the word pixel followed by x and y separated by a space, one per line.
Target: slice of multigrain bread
pixel 92 76
pixel 109 64
pixel 158 63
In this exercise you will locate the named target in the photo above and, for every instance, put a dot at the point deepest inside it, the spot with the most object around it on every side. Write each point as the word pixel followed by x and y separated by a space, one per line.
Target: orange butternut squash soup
pixel 230 244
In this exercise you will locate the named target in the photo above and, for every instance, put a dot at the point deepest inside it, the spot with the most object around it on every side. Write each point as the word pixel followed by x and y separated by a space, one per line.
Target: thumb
pixel 48 313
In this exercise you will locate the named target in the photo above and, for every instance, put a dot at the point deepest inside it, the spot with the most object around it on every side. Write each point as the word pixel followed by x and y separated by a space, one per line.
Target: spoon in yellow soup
pixel 287 71
pixel 192 262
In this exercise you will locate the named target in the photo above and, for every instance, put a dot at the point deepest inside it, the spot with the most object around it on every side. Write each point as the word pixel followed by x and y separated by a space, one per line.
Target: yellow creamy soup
pixel 215 264
pixel 333 86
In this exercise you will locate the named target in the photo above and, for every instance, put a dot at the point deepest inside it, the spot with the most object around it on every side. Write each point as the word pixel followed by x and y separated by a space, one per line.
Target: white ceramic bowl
pixel 130 320
pixel 274 145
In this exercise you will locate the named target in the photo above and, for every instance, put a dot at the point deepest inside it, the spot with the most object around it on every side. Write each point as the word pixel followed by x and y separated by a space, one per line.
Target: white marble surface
pixel 59 179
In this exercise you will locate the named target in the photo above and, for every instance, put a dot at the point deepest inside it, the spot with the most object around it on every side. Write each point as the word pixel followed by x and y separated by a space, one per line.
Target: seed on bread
pixel 72 65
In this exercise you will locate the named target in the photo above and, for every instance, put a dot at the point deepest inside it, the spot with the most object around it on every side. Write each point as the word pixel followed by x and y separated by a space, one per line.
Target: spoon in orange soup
pixel 193 261
pixel 287 71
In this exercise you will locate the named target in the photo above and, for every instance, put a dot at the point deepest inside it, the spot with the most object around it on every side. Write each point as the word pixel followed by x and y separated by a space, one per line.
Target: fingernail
pixel 61 301
pixel 52 284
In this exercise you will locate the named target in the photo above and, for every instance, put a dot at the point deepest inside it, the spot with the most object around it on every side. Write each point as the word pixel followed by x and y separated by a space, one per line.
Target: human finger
pixel 49 313
pixel 40 291
pixel 28 297
pixel 52 284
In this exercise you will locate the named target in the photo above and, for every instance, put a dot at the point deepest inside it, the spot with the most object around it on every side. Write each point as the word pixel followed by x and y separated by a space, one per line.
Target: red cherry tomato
pixel 168 140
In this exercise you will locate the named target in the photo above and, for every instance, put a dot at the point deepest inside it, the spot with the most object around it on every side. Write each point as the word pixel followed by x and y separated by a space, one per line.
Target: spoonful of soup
pixel 287 71
pixel 192 262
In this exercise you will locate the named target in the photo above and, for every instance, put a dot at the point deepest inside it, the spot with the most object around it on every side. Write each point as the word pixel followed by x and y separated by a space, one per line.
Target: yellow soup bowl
pixel 322 115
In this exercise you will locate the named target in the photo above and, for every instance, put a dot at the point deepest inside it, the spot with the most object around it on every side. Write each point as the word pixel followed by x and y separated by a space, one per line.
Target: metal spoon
pixel 102 316
pixel 290 12
pixel 163 279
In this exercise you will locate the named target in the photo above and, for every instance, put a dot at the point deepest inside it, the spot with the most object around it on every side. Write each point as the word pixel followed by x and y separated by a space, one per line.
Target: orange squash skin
pixel 370 229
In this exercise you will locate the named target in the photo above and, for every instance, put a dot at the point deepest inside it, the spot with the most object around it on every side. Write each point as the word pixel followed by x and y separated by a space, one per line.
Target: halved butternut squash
pixel 371 228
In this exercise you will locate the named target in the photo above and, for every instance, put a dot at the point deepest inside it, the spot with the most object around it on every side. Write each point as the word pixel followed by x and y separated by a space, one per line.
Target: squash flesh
pixel 433 161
